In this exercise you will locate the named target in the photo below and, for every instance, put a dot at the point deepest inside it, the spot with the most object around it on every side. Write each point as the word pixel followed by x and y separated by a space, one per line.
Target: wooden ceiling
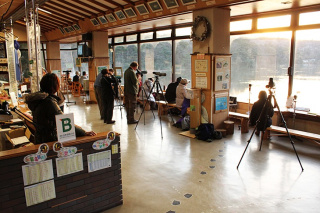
pixel 65 20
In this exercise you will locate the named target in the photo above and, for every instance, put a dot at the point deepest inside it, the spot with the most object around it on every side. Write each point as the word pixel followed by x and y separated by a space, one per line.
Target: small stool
pixel 229 125
pixel 223 132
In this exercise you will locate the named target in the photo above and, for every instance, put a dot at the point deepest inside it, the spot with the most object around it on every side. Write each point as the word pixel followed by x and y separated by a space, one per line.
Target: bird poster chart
pixel 222 72
pixel 38 177
pixel 101 160
pixel 68 161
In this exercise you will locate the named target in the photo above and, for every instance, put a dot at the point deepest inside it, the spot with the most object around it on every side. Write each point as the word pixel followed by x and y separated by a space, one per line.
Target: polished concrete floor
pixel 182 175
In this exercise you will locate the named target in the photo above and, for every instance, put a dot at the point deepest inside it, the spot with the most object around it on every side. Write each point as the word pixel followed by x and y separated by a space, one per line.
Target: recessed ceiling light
pixel 286 2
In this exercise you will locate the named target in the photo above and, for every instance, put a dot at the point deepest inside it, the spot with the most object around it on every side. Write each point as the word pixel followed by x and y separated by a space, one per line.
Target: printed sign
pixel 98 161
pixel 65 127
pixel 64 151
pixel 40 156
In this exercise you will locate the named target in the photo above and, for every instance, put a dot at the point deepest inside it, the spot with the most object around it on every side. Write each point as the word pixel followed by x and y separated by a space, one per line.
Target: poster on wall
pixel 222 72
pixel 39 193
pixel 69 165
pixel 221 102
pixel 98 161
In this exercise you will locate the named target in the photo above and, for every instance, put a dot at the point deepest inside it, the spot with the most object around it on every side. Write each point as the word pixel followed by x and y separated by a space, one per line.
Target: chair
pixel 76 89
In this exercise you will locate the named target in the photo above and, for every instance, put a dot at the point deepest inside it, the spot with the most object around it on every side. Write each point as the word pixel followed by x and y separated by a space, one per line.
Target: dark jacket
pixel 109 87
pixel 266 114
pixel 130 82
pixel 171 92
pixel 44 108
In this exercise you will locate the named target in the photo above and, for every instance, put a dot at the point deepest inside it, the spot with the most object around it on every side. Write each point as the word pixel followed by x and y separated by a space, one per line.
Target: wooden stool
pixel 223 132
pixel 229 125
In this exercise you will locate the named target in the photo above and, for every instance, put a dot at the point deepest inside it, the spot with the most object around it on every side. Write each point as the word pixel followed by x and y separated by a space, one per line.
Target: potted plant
pixel 26 76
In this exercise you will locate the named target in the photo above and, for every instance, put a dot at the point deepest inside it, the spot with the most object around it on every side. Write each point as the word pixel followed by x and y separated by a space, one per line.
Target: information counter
pixel 89 180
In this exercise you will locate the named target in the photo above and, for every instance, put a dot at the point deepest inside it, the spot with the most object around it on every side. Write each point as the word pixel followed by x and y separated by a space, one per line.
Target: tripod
pixel 158 88
pixel 265 110
pixel 67 77
pixel 120 91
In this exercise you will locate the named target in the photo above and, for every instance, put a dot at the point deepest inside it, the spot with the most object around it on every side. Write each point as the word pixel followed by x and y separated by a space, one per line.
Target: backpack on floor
pixel 205 132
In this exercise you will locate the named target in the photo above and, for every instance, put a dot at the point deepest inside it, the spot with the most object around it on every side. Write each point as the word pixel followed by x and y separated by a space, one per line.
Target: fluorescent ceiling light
pixel 44 11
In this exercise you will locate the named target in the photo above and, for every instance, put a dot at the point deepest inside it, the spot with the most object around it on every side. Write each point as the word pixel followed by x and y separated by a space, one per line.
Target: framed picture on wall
pixel 100 68
pixel 142 9
pixel 111 17
pixel 120 14
pixel 61 30
pixel 94 21
pixel 187 2
pixel 221 104
pixel 118 72
pixel 155 6
pixel 3 53
pixel 76 27
pixel 102 19
pixel 171 3
pixel 66 29
pixel 222 72
pixel 130 12
pixel 71 29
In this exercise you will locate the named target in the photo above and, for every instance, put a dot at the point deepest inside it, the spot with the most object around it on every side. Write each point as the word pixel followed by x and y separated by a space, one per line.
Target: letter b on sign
pixel 66 124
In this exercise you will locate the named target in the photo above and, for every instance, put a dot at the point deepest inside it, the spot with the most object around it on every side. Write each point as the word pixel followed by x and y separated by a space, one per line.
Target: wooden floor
pixel 180 174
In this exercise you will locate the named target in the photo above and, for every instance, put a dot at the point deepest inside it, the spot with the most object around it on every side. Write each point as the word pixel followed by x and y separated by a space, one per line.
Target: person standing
pixel 131 91
pixel 97 92
pixel 108 86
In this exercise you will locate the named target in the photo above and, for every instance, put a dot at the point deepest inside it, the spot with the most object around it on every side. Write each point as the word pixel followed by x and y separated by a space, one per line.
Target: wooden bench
pixel 162 109
pixel 293 132
pixel 244 118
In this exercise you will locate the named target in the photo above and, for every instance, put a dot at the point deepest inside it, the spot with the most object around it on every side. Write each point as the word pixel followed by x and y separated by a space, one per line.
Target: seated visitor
pixel 266 114
pixel 182 99
pixel 83 77
pixel 146 92
pixel 76 78
pixel 171 91
pixel 44 107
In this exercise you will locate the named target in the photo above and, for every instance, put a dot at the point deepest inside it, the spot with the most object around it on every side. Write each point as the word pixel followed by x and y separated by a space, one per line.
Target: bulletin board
pixel 201 71
pixel 222 72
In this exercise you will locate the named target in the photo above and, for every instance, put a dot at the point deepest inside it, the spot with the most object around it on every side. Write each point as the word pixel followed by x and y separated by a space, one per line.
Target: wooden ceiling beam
pixel 114 3
pixel 61 14
pixel 77 12
pixel 47 19
pixel 73 4
pixel 102 5
pixel 88 6
pixel 131 3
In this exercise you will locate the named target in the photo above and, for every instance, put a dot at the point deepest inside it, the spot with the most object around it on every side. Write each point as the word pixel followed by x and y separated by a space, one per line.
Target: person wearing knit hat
pixel 181 92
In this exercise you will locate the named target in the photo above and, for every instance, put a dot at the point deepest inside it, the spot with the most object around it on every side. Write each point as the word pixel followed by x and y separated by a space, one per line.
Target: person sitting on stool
pixel 266 114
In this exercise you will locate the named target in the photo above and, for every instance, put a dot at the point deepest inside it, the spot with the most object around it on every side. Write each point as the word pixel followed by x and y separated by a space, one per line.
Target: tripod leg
pixel 262 136
pixel 248 142
pixel 285 125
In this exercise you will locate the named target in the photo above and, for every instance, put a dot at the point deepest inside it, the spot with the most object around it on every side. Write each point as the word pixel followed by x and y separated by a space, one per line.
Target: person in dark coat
pixel 171 91
pixel 108 93
pixel 266 113
pixel 44 107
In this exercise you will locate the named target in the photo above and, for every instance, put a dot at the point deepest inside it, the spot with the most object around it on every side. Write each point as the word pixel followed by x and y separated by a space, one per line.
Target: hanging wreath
pixel 200 20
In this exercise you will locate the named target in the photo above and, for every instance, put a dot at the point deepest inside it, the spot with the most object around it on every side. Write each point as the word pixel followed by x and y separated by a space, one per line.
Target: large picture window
pixel 307 69
pixel 124 55
pixel 157 57
pixel 255 59
pixel 183 50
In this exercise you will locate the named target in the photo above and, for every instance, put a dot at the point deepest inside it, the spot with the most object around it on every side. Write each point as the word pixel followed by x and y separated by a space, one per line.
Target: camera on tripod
pixel 271 84
pixel 118 78
pixel 160 73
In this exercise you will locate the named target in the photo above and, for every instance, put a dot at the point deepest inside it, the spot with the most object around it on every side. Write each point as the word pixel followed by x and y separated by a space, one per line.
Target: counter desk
pixel 91 183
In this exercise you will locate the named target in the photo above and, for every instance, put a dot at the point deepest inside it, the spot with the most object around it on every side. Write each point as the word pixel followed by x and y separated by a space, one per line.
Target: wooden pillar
pixel 100 52
pixel 53 56
pixel 217 43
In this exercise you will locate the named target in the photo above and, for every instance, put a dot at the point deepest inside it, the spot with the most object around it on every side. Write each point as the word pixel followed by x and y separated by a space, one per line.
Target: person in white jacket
pixel 181 92
pixel 147 93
